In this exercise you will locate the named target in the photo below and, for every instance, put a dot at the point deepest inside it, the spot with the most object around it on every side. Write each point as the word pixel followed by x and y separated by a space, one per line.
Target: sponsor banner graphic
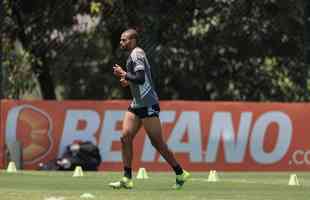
pixel 230 136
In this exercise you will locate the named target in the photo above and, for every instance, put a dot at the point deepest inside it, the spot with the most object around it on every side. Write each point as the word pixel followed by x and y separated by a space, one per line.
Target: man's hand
pixel 118 71
pixel 124 83
pixel 74 147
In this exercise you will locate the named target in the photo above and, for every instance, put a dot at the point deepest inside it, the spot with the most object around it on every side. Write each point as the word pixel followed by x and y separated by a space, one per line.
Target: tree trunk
pixel 46 83
pixel 42 70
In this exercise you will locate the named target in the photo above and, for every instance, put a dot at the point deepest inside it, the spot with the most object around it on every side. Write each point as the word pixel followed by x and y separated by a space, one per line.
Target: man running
pixel 143 110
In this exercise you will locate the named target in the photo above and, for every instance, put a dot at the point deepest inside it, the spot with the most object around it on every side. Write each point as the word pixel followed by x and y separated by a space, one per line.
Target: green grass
pixel 38 185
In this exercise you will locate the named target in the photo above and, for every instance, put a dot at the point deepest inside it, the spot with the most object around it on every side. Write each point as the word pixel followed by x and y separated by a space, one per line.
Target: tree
pixel 199 49
pixel 236 50
pixel 43 30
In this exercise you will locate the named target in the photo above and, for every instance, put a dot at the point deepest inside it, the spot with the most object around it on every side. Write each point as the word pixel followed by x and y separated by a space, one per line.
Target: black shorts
pixel 144 112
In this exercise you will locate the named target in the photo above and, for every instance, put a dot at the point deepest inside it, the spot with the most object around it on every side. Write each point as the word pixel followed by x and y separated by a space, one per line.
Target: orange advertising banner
pixel 227 136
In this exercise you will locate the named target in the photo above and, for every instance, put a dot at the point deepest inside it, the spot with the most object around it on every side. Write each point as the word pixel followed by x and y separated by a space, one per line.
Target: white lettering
pixel 109 135
pixel 300 157
pixel 71 131
pixel 306 157
pixel 258 135
pixel 295 157
pixel 234 145
pixel 189 122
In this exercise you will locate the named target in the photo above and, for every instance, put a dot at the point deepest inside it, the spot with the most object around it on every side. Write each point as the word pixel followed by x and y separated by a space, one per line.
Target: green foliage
pixel 237 50
pixel 20 77
pixel 199 49
pixel 17 66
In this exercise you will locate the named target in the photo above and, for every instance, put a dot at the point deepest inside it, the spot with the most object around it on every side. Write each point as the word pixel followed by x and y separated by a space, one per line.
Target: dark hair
pixel 133 33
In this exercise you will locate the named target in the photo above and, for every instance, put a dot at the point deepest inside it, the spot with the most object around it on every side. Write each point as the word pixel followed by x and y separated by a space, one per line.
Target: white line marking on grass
pixel 87 196
pixel 54 198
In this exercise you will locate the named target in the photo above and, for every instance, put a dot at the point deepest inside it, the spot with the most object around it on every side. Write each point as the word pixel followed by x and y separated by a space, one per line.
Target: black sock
pixel 178 170
pixel 127 172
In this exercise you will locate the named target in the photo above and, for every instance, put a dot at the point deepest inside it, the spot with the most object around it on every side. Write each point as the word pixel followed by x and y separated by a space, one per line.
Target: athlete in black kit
pixel 143 110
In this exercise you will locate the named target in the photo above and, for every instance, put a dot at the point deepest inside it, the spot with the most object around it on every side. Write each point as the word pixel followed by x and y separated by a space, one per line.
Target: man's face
pixel 126 41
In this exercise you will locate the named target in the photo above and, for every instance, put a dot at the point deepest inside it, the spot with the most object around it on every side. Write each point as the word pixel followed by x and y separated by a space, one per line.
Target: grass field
pixel 38 185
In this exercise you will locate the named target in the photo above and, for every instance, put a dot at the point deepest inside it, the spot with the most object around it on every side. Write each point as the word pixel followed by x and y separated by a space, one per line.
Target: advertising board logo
pixel 32 127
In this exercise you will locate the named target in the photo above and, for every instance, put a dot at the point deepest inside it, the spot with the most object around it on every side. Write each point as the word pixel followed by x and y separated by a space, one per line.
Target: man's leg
pixel 153 128
pixel 131 126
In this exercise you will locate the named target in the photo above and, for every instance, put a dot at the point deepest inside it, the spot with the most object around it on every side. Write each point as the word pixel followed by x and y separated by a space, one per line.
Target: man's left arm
pixel 137 78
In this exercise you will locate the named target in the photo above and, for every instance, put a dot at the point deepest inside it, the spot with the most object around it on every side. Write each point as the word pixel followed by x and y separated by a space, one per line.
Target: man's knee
pixel 126 137
pixel 157 143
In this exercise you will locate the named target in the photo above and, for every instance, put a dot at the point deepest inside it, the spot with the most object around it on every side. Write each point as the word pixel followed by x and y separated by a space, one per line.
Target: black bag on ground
pixel 84 154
